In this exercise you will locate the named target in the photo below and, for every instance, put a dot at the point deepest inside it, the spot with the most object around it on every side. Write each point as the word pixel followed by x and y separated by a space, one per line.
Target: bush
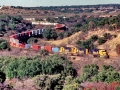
pixel 29 67
pixel 70 84
pixel 43 52
pixel 23 68
pixel 57 64
pixel 49 34
pixel 32 40
pixel 48 82
pixel 117 88
pixel 87 44
pixel 94 37
pixel 61 35
pixel 88 71
pixel 107 74
pixel 3 44
pixel 107 35
pixel 101 40
pixel 67 34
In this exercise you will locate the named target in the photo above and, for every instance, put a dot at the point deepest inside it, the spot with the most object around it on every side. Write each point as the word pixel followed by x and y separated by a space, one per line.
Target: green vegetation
pixel 86 44
pixel 117 88
pixel 54 72
pixel 32 40
pixel 105 74
pixel 88 72
pixel 49 34
pixel 94 38
pixel 49 82
pixel 29 67
pixel 43 53
pixel 71 84
pixel 15 23
pixel 101 40
pixel 107 35
pixel 4 44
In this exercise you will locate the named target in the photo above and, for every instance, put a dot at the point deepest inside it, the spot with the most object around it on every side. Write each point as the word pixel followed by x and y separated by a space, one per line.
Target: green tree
pixel 23 68
pixel 107 74
pixel 49 34
pixel 87 44
pixel 56 64
pixel 88 71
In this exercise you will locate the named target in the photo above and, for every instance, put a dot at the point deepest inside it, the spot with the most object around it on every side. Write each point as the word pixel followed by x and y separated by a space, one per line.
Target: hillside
pixel 110 45
pixel 35 68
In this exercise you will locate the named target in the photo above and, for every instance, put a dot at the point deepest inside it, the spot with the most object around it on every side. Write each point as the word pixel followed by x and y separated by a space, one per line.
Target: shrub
pixel 107 35
pixel 88 71
pixel 94 37
pixel 3 44
pixel 30 67
pixel 48 82
pixel 67 34
pixel 101 40
pixel 87 44
pixel 32 40
pixel 107 74
pixel 61 35
pixel 57 64
pixel 43 52
pixel 23 68
pixel 70 84
pixel 49 34
pixel 117 88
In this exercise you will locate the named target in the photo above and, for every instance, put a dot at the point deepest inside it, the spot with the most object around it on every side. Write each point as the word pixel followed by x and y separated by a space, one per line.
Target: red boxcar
pixel 48 48
pixel 36 47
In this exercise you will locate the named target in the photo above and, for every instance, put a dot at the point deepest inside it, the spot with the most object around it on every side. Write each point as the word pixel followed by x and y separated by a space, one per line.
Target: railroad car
pixel 15 41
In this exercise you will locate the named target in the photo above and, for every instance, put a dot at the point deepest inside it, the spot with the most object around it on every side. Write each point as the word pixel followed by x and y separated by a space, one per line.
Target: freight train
pixel 15 40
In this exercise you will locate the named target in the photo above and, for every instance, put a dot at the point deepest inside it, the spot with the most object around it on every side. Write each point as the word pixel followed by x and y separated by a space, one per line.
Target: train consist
pixel 16 41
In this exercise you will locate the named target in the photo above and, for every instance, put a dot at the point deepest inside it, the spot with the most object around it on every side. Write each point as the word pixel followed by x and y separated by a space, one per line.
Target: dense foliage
pixel 88 72
pixel 49 34
pixel 105 74
pixel 49 82
pixel 16 23
pixel 29 67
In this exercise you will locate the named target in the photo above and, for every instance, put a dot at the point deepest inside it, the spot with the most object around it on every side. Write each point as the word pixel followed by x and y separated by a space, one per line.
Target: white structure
pixel 30 19
pixel 42 23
